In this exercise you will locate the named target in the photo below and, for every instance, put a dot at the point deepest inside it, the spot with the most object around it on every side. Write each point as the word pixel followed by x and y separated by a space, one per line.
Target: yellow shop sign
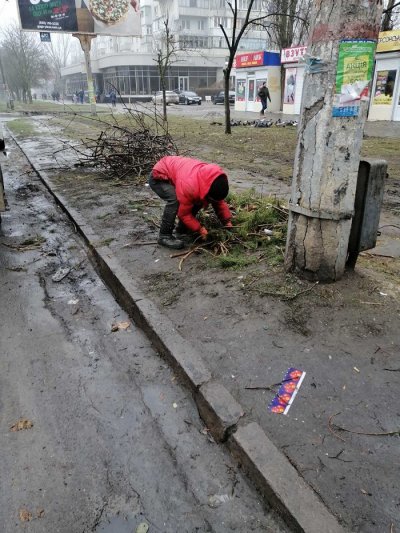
pixel 388 41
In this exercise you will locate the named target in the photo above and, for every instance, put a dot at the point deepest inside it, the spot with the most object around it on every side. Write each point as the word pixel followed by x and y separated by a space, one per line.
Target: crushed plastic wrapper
pixel 288 390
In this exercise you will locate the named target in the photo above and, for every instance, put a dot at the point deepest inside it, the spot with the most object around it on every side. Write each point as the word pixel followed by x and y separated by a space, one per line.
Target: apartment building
pixel 128 63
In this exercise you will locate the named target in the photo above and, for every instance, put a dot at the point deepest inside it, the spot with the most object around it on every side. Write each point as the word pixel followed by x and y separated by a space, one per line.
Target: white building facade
pixel 128 63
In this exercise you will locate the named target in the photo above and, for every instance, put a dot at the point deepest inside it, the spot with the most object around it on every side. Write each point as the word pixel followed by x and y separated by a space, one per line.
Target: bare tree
pixel 288 26
pixel 57 53
pixel 166 54
pixel 390 15
pixel 272 19
pixel 24 62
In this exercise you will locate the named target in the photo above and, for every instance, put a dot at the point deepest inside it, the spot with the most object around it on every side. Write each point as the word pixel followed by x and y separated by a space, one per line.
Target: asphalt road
pixel 116 441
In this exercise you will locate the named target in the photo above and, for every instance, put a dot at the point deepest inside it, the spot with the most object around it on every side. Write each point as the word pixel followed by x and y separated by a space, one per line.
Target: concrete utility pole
pixel 334 109
pixel 86 40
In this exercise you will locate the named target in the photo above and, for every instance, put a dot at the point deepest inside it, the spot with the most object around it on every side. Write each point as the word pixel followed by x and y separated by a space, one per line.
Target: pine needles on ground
pixel 258 233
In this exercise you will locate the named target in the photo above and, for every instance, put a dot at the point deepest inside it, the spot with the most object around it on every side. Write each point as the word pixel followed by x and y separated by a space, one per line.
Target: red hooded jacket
pixel 192 180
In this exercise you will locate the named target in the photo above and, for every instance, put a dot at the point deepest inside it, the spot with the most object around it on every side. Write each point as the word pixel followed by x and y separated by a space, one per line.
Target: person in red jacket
pixel 187 185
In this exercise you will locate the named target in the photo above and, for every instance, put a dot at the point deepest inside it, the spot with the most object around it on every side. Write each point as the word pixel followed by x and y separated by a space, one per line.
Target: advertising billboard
pixel 353 76
pixel 293 55
pixel 388 41
pixel 97 17
pixel 257 59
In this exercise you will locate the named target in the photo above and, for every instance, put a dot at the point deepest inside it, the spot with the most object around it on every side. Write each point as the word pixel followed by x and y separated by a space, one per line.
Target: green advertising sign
pixel 354 74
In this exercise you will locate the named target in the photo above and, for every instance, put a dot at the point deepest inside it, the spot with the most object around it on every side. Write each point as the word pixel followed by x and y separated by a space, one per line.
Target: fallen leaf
pixel 215 500
pixel 142 528
pixel 117 326
pixel 206 431
pixel 40 513
pixel 364 491
pixel 25 515
pixel 23 423
pixel 60 274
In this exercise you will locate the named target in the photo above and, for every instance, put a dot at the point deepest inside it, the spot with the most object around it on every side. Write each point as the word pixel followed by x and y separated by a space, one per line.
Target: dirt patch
pixel 26 191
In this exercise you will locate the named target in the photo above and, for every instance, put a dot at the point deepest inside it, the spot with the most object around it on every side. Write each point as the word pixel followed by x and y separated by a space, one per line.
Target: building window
pixel 185 24
pixel 193 41
pixel 201 24
pixel 220 21
pixel 203 4
pixel 385 82
pixel 244 5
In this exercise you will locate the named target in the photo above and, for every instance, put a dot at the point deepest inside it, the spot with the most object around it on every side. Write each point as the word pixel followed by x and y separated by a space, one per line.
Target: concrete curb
pixel 279 482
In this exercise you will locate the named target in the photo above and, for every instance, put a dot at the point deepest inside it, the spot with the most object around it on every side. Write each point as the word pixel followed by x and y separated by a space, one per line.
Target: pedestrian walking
pixel 188 185
pixel 113 98
pixel 264 96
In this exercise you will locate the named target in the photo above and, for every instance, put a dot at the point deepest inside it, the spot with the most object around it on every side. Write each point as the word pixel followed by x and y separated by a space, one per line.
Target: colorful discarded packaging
pixel 288 390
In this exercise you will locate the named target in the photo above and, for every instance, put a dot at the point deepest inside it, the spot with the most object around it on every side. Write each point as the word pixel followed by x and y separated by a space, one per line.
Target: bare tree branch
pixel 283 20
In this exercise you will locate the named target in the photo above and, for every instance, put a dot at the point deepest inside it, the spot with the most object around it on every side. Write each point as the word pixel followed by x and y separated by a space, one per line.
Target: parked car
pixel 220 97
pixel 189 97
pixel 170 97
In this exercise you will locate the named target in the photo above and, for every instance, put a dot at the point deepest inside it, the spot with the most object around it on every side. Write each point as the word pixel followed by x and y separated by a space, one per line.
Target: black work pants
pixel 166 191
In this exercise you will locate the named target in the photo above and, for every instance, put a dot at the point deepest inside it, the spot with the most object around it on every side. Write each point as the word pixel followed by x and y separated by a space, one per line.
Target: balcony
pixel 193 11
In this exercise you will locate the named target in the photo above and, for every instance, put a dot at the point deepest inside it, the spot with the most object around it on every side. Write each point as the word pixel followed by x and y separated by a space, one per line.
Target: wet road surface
pixel 116 441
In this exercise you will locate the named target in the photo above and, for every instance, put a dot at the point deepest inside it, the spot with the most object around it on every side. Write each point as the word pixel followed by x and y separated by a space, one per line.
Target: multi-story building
pixel 129 63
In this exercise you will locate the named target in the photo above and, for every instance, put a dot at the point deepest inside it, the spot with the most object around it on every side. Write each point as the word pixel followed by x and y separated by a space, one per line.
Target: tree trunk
pixel 387 21
pixel 328 149
pixel 164 102
pixel 227 74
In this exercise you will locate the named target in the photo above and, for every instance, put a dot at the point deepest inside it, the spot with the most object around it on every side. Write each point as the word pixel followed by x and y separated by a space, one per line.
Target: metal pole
pixel 86 41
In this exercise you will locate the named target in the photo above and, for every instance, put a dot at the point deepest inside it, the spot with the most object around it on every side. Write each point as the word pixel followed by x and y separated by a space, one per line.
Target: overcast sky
pixel 8 12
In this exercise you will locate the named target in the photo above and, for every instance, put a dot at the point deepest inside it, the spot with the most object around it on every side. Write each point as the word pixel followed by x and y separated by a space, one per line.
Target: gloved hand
pixel 228 225
pixel 203 233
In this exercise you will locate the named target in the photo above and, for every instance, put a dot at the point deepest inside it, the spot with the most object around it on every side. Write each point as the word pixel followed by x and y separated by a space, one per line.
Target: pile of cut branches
pixel 128 146
pixel 258 233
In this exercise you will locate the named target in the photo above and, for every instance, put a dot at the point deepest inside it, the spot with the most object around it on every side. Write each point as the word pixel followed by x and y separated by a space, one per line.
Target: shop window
pixel 240 90
pixel 385 82
pixel 290 86
pixel 251 90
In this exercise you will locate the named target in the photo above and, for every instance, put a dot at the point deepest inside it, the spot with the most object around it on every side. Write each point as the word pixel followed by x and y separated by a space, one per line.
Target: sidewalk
pixel 345 336
pixel 380 128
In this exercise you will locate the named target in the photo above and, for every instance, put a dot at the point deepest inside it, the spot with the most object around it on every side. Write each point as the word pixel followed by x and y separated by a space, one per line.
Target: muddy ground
pixel 251 324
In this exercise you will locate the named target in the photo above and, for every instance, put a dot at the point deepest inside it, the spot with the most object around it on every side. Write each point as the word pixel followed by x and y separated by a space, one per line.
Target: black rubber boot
pixel 169 241
pixel 187 238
